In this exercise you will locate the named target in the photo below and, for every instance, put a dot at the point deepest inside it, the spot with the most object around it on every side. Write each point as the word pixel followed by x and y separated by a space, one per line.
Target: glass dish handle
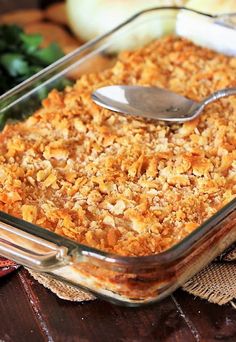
pixel 31 251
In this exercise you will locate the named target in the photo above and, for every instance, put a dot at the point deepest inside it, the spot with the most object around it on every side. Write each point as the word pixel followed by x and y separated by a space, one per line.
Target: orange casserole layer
pixel 117 183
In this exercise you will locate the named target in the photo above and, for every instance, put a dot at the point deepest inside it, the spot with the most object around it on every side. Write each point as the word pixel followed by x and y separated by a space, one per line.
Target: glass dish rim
pixel 178 249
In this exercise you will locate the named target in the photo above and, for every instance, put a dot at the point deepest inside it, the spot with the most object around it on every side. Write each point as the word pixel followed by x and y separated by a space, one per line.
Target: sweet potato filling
pixel 116 183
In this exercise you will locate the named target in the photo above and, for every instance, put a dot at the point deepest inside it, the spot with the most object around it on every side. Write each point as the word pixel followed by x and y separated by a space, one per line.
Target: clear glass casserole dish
pixel 119 279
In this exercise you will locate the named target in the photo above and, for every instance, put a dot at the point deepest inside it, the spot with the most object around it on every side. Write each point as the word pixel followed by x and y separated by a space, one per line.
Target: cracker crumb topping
pixel 118 183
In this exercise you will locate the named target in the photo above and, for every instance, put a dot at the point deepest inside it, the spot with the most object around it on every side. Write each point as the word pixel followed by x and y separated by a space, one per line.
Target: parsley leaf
pixel 31 42
pixel 21 55
pixel 49 54
pixel 14 64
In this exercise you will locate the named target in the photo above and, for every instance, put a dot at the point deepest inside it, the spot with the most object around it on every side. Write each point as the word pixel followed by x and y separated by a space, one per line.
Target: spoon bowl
pixel 153 102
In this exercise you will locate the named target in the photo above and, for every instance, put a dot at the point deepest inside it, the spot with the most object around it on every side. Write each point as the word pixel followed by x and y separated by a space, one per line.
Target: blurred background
pixel 6 5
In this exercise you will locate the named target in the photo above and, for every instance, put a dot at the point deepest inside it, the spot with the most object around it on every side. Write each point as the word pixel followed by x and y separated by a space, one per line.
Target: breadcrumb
pixel 117 183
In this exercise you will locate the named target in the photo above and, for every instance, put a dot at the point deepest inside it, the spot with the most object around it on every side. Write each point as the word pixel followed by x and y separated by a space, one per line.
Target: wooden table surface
pixel 29 312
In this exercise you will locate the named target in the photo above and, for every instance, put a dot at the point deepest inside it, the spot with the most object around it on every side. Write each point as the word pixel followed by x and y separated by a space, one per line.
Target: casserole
pixel 125 279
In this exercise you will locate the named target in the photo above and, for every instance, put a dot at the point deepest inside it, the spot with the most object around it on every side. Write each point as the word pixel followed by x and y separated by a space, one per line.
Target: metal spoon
pixel 154 103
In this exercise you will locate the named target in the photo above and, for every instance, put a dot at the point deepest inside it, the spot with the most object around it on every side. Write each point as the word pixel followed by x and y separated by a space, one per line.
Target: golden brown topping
pixel 120 184
pixel 29 213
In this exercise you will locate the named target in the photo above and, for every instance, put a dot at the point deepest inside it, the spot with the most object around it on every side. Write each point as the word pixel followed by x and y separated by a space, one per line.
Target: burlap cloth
pixel 216 282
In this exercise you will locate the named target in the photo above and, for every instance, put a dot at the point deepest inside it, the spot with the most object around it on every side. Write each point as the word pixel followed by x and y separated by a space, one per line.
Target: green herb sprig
pixel 21 56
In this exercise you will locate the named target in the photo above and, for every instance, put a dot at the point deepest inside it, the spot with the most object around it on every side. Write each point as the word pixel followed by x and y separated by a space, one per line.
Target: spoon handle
pixel 219 94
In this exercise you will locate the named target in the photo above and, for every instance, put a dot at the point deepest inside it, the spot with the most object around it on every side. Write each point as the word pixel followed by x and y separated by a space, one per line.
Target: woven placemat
pixel 61 289
pixel 216 282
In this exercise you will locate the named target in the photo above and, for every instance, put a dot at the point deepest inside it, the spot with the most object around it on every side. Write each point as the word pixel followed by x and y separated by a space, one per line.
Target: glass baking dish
pixel 125 280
